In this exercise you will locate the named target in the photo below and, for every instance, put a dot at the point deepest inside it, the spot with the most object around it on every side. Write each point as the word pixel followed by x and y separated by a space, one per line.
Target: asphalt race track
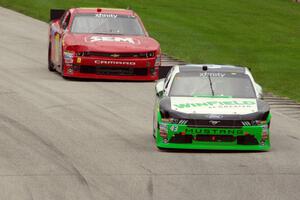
pixel 91 140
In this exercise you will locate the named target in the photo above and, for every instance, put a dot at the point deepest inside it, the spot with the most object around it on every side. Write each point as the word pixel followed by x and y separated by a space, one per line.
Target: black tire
pixel 154 136
pixel 154 132
pixel 50 64
pixel 162 149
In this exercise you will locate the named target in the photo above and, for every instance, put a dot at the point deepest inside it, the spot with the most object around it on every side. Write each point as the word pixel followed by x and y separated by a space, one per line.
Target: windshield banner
pixel 196 105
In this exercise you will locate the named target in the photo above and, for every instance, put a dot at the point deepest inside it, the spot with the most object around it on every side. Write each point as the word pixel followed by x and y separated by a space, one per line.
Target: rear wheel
pixel 50 63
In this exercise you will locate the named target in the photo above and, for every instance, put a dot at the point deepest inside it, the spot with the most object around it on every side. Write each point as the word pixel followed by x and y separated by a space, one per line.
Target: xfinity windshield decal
pixel 114 16
pixel 110 39
pixel 211 74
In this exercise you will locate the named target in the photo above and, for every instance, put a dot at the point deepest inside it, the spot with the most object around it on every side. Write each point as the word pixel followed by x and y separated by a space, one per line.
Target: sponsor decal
pixel 68 56
pixel 214 107
pixel 112 62
pixel 163 127
pixel 211 74
pixel 183 122
pixel 111 39
pixel 53 30
pixel 215 103
pixel 78 60
pixel 57 47
pixel 246 123
pixel 211 131
pixel 105 15
pixel 174 128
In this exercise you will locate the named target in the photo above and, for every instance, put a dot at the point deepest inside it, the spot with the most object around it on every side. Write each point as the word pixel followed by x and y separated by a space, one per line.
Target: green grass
pixel 261 34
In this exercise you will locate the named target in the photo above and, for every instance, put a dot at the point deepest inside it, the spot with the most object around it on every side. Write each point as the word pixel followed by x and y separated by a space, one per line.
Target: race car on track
pixel 102 43
pixel 212 107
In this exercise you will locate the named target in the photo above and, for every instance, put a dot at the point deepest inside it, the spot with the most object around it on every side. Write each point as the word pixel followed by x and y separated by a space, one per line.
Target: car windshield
pixel 113 24
pixel 208 84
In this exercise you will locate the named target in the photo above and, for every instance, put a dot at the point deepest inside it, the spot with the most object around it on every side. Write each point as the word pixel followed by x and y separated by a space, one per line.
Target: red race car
pixel 102 43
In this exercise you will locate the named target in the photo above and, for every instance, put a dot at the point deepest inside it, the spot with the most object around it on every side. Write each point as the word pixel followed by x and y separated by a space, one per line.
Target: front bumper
pixel 175 136
pixel 114 69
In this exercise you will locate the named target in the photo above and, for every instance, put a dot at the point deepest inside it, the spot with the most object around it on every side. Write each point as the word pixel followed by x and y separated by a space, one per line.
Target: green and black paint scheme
pixel 210 123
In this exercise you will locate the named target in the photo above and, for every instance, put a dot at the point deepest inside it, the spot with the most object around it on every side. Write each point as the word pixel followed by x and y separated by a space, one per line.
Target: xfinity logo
pixel 211 74
pixel 112 62
pixel 111 39
pixel 212 122
pixel 114 16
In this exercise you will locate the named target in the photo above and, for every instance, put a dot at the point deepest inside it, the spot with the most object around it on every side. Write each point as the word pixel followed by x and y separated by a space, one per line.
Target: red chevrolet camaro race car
pixel 102 43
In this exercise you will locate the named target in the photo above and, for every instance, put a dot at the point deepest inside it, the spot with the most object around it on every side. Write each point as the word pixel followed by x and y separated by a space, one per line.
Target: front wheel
pixel 50 63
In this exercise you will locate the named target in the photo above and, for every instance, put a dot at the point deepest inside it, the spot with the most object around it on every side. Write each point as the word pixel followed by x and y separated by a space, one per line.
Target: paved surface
pixel 69 140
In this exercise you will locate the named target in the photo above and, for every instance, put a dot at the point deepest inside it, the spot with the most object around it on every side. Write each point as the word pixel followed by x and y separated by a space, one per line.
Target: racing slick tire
pixel 50 64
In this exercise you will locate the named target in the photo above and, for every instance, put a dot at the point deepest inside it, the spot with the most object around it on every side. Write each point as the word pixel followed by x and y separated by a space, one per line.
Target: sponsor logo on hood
pixel 110 39
pixel 213 106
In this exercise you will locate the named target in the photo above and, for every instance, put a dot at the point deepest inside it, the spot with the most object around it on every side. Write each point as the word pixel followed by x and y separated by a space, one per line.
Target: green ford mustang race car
pixel 211 107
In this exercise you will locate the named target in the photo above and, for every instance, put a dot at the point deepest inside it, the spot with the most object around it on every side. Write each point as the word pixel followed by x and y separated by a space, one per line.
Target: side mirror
pixel 64 25
pixel 159 87
pixel 258 88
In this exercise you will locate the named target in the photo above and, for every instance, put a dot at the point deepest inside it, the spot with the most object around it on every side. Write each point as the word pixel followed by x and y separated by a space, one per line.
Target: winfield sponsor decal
pixel 213 106
pixel 195 131
pixel 224 104
pixel 111 39
pixel 112 62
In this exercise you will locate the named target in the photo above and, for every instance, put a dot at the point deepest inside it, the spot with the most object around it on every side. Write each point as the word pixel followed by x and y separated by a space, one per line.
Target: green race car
pixel 212 107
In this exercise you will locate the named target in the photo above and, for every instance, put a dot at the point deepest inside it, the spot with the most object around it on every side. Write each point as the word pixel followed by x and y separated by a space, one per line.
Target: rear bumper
pixel 247 138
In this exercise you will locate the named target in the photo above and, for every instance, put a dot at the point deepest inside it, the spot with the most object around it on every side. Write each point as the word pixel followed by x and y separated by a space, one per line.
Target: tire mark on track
pixel 150 187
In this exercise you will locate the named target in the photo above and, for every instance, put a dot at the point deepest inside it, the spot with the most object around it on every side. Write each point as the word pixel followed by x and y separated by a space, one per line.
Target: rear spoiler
pixel 56 13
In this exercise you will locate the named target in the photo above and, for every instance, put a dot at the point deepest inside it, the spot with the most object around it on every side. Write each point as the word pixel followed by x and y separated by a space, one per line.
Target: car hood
pixel 110 43
pixel 204 108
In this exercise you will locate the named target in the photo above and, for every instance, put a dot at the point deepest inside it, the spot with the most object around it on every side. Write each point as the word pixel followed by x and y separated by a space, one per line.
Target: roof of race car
pixel 211 68
pixel 102 10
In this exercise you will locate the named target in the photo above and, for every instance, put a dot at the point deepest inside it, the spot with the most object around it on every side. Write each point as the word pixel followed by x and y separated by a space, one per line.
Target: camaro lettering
pixel 111 39
pixel 111 62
